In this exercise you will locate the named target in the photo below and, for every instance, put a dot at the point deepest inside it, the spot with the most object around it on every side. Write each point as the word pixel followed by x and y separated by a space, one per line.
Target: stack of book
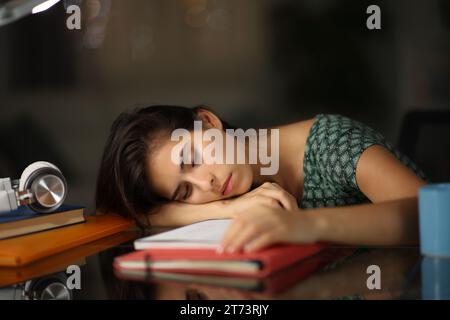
pixel 188 254
pixel 27 236
pixel 25 221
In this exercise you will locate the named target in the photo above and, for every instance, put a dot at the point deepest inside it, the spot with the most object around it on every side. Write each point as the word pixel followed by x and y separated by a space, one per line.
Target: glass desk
pixel 344 276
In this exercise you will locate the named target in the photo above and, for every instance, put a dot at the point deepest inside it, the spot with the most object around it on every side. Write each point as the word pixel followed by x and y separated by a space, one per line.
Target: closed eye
pixel 188 192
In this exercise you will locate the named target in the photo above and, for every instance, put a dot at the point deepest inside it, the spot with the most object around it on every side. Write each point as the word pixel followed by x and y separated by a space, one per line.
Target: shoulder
pixel 337 123
pixel 297 126
pixel 335 144
pixel 296 133
pixel 331 131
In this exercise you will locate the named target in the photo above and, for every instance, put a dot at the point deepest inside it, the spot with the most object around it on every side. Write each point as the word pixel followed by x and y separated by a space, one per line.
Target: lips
pixel 227 186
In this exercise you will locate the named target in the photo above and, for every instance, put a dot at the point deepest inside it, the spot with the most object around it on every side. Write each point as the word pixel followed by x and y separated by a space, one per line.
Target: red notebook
pixel 207 261
pixel 267 286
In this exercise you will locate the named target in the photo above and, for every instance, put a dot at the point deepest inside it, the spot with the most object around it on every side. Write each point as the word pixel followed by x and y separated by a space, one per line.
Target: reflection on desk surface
pixel 333 274
pixel 345 278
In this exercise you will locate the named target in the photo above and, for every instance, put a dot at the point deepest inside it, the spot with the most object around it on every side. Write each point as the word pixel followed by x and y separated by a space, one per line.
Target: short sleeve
pixel 340 145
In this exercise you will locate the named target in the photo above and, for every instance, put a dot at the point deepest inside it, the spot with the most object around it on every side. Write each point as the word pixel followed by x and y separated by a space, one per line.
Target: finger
pixel 268 199
pixel 268 185
pixel 230 233
pixel 276 185
pixel 287 200
pixel 265 185
pixel 261 242
pixel 281 196
pixel 272 186
pixel 250 231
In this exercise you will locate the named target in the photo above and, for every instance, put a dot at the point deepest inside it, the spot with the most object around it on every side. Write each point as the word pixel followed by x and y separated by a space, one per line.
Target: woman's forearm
pixel 179 214
pixel 380 224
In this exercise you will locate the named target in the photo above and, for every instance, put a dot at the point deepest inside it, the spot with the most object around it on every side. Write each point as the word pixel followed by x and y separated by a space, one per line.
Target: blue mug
pixel 434 220
pixel 435 278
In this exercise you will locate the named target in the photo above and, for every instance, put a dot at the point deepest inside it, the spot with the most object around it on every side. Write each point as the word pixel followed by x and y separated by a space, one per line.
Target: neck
pixel 290 149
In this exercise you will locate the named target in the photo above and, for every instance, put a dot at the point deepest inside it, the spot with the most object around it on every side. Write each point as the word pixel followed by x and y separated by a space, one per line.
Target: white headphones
pixel 41 187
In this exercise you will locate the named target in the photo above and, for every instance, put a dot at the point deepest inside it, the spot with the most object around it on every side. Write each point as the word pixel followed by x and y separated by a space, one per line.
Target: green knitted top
pixel 332 151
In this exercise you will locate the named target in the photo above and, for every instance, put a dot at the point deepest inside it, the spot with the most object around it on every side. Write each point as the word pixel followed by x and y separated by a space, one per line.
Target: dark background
pixel 255 62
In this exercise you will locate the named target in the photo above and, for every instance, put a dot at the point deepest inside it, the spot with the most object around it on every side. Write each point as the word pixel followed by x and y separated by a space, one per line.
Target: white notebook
pixel 205 234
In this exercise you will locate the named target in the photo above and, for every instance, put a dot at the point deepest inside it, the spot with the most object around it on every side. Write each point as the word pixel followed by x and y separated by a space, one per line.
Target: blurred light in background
pixel 197 13
pixel 97 14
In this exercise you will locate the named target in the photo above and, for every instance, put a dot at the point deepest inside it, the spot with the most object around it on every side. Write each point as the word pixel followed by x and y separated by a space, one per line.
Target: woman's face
pixel 196 183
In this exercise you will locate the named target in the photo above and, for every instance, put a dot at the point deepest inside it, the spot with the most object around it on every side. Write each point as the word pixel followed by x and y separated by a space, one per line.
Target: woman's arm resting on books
pixel 382 224
pixel 390 220
pixel 179 213
pixel 176 213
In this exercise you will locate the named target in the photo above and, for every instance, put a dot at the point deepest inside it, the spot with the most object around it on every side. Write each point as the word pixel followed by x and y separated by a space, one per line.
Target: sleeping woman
pixel 338 181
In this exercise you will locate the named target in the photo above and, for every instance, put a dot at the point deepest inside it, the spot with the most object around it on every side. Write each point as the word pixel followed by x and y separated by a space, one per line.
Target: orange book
pixel 23 250
pixel 60 261
pixel 208 261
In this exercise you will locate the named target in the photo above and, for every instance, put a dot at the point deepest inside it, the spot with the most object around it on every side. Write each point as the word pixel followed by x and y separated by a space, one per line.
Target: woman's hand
pixel 268 194
pixel 265 225
pixel 179 214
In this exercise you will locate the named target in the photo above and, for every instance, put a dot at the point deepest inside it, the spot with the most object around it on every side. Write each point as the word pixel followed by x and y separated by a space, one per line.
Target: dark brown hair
pixel 122 184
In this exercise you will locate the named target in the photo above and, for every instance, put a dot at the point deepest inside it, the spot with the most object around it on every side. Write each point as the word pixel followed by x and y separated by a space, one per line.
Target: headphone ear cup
pixel 47 184
pixel 32 168
pixel 52 287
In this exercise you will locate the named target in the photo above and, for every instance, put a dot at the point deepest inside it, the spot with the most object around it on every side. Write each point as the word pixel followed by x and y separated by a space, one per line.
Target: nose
pixel 205 181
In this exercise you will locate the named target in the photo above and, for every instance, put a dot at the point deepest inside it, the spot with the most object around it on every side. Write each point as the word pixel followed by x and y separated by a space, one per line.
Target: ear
pixel 209 119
